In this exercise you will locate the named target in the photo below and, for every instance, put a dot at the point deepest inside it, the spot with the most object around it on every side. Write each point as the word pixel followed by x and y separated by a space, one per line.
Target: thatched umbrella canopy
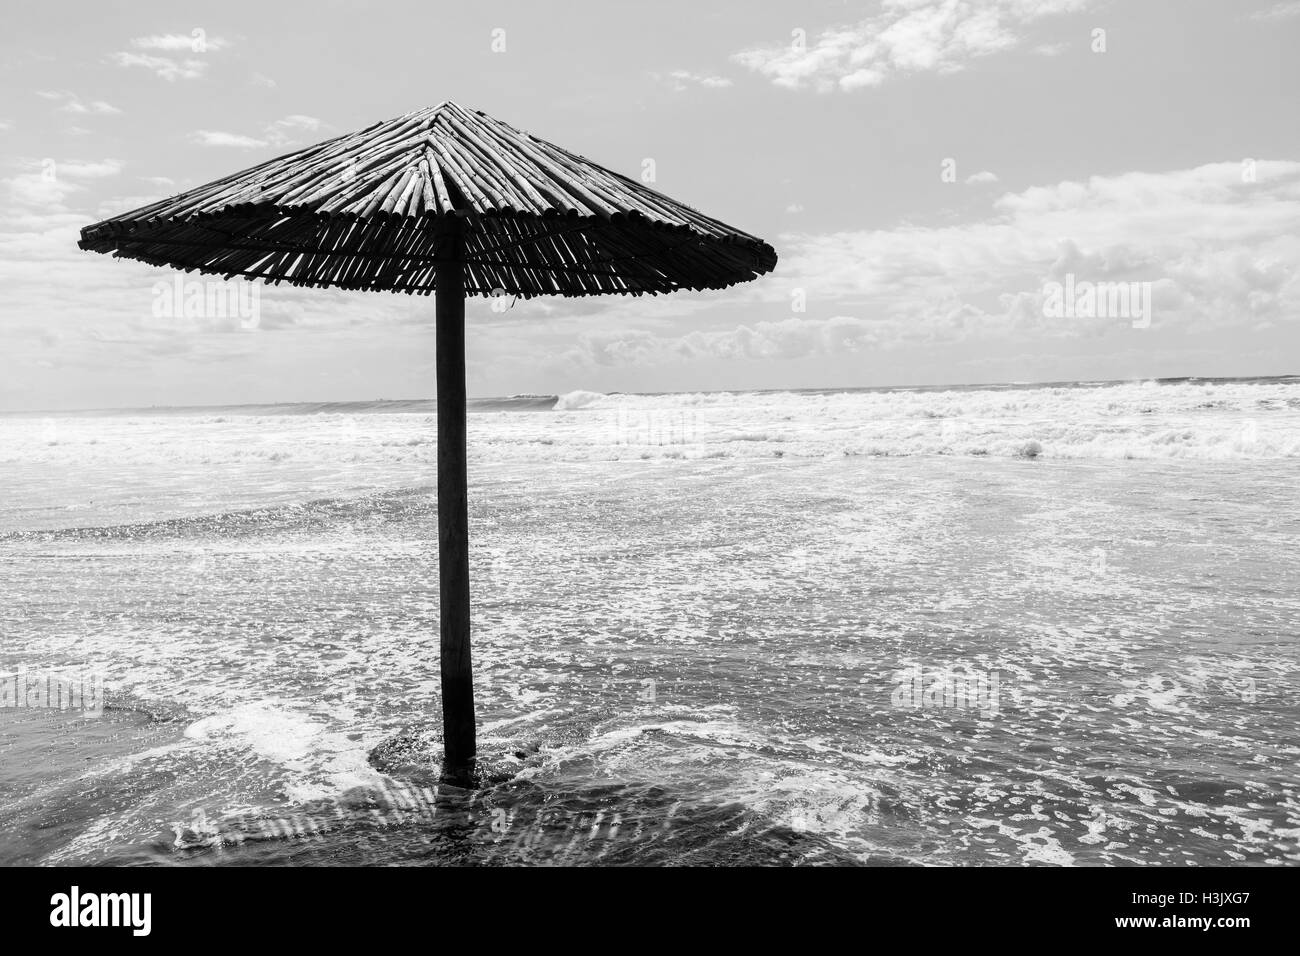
pixel 452 201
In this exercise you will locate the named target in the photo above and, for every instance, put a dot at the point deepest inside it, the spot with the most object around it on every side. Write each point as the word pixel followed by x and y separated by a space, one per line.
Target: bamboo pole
pixel 453 507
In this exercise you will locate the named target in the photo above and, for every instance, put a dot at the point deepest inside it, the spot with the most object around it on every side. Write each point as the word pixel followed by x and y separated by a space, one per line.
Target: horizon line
pixel 707 391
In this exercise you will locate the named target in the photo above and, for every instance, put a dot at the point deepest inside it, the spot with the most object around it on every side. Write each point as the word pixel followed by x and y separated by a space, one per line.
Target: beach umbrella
pixel 451 201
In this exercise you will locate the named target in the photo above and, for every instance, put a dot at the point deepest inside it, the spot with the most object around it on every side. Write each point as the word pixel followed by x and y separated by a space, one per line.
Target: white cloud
pixel 983 176
pixel 90 169
pixel 190 65
pixel 790 338
pixel 1279 11
pixel 72 103
pixel 209 137
pixel 165 67
pixel 907 36
pixel 42 187
pixel 682 80
pixel 282 133
pixel 196 41
pixel 1221 251
pixel 793 337
pixel 794 207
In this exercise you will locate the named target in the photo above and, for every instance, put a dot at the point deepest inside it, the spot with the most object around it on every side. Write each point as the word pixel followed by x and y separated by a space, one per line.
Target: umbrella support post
pixel 453 509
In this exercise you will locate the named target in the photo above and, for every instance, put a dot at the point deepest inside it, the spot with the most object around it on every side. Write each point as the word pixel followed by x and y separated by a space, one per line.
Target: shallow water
pixel 755 629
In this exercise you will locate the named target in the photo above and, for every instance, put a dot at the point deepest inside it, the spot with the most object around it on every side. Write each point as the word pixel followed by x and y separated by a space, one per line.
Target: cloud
pixel 84 313
pixel 1222 253
pixel 1279 11
pixel 193 64
pixel 783 339
pixel 791 338
pixel 72 103
pixel 794 207
pixel 42 187
pixel 1221 250
pixel 209 137
pixel 5 126
pixel 258 79
pixel 682 80
pixel 90 169
pixel 282 133
pixel 984 176
pixel 165 67
pixel 196 41
pixel 907 36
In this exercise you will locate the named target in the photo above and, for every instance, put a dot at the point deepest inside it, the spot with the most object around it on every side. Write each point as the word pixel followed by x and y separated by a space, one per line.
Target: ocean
pixel 1017 624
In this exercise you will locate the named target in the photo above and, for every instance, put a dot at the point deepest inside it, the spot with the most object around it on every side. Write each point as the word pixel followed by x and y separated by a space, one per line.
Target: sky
pixel 930 172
